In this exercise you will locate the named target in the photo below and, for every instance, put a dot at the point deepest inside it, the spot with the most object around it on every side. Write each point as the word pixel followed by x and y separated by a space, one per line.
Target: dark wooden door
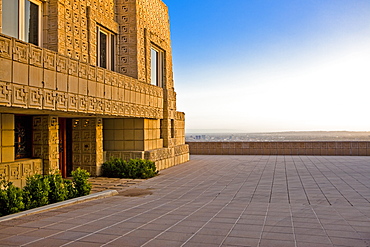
pixel 63 146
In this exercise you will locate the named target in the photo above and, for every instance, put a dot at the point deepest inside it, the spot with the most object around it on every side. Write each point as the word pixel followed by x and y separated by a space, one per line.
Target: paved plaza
pixel 313 201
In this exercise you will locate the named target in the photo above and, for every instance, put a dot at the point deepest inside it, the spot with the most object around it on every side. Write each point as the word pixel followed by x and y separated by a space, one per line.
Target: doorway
pixel 65 146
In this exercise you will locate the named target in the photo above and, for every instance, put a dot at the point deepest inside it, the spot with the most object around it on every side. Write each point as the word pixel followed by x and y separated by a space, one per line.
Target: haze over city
pixel 262 66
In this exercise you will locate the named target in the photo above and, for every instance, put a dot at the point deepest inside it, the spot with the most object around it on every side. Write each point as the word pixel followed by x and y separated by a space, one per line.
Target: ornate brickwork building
pixel 85 80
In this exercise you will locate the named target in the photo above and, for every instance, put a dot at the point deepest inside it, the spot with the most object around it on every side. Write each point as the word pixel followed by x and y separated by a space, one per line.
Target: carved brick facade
pixel 83 113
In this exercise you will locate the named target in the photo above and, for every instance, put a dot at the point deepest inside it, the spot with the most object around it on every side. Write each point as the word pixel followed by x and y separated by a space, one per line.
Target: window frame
pixel 110 45
pixel 159 66
pixel 22 21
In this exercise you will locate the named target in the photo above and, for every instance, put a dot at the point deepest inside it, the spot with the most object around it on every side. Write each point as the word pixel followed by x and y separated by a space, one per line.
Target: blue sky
pixel 267 65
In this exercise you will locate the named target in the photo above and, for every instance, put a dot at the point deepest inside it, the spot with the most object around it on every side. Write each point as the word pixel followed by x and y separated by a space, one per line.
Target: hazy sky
pixel 272 65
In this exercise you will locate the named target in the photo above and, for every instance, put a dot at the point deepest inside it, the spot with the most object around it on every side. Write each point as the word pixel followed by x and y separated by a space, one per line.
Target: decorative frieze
pixel 36 98
pixel 5 93
pixel 62 64
pixel 36 56
pixel 18 171
pixel 62 101
pixel 6 47
pixel 20 94
pixel 21 51
pixel 50 60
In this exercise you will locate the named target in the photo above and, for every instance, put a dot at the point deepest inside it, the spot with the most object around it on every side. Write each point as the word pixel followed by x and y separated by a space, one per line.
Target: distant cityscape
pixel 280 136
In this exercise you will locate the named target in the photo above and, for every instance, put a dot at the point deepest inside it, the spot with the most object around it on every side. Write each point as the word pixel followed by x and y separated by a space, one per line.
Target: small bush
pixel 113 168
pixel 71 190
pixel 58 190
pixel 11 198
pixel 134 168
pixel 81 183
pixel 36 191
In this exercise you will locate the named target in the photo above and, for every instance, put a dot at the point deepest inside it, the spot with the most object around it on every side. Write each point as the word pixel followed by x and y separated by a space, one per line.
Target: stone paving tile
pixel 99 238
pixel 161 243
pixel 11 230
pixel 128 241
pixel 48 242
pixel 17 240
pixel 207 239
pixel 303 244
pixel 276 243
pixel 217 201
pixel 348 242
pixel 81 244
pixel 241 241
pixel 41 233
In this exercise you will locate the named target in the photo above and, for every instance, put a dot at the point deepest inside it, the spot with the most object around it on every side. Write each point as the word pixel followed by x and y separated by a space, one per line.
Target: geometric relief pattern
pixel 27 169
pixel 62 101
pixel 87 144
pixel 20 96
pixel 17 172
pixel 72 102
pixel 36 56
pixel 125 155
pixel 46 141
pixel 5 47
pixel 159 154
pixel 49 99
pixel 50 59
pixel 21 51
pixel 141 99
pixel 131 98
pixel 36 97
pixel 3 172
pixel 5 93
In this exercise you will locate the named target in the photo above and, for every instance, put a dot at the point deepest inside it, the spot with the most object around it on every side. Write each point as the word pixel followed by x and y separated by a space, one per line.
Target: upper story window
pixel 22 19
pixel 157 66
pixel 105 48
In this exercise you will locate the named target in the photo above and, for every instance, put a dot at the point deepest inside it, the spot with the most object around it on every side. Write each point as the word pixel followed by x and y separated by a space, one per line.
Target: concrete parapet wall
pixel 345 148
pixel 18 171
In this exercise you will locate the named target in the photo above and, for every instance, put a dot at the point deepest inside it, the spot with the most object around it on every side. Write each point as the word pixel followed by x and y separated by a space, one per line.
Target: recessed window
pixel 157 66
pixel 105 48
pixel 162 129
pixel 21 19
pixel 23 137
pixel 172 128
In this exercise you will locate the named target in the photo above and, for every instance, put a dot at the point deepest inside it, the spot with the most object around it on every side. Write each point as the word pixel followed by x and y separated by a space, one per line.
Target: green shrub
pixel 58 190
pixel 70 188
pixel 11 198
pixel 81 183
pixel 36 191
pixel 113 168
pixel 134 168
